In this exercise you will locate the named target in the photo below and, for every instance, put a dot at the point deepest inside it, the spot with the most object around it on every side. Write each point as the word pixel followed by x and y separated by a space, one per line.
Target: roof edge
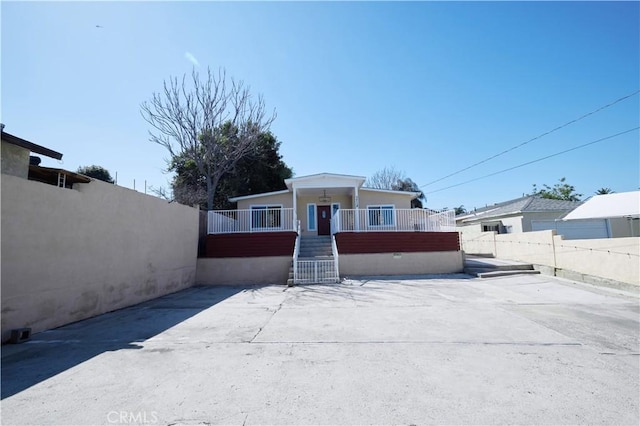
pixel 392 191
pixel 38 149
pixel 263 194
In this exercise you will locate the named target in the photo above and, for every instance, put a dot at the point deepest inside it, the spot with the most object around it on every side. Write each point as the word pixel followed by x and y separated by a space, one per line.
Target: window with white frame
pixel 311 217
pixel 383 215
pixel 334 208
pixel 266 217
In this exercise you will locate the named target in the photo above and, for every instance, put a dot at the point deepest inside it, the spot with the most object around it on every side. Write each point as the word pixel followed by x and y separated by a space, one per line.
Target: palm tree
pixel 603 191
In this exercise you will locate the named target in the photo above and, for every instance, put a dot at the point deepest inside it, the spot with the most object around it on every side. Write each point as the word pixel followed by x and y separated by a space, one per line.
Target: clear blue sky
pixel 426 87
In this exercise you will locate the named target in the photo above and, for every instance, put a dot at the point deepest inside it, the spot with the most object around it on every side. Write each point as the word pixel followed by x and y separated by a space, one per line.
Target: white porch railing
pixel 334 252
pixel 388 219
pixel 250 220
pixel 296 252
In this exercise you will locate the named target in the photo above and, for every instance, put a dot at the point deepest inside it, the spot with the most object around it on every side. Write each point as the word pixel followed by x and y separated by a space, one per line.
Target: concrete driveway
pixel 439 349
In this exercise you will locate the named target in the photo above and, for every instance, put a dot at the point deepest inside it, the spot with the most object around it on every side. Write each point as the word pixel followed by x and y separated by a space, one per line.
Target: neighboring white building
pixel 618 213
pixel 514 216
pixel 602 216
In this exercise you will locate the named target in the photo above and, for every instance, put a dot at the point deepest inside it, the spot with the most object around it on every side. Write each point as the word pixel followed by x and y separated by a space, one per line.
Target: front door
pixel 324 220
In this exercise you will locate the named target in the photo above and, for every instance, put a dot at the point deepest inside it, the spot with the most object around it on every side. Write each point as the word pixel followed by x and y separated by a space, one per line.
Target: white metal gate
pixel 316 272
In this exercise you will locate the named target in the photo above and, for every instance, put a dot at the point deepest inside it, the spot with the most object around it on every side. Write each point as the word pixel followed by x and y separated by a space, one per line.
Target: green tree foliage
pixel 96 172
pixel 460 210
pixel 560 191
pixel 260 171
pixel 410 186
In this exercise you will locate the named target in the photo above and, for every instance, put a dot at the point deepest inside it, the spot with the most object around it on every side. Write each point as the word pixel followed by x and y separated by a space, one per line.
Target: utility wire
pixel 533 139
pixel 535 161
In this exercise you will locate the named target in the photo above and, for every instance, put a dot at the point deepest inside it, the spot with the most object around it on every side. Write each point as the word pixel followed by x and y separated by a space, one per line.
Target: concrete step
pixel 489 267
pixel 314 253
pixel 493 274
pixel 470 264
pixel 306 252
pixel 476 270
pixel 325 257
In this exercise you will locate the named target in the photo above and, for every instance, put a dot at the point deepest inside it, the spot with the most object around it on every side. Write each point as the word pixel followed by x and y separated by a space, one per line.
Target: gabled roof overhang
pixel 325 180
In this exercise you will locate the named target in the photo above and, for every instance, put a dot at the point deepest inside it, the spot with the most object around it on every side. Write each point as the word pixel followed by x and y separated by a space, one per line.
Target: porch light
pixel 324 198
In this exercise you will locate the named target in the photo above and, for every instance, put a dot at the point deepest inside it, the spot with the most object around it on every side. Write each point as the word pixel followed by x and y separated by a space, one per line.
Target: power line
pixel 535 161
pixel 533 139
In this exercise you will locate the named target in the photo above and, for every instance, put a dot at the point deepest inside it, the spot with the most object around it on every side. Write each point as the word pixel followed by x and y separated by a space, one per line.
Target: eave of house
pixel 264 194
pixel 32 147
pixel 50 175
pixel 413 195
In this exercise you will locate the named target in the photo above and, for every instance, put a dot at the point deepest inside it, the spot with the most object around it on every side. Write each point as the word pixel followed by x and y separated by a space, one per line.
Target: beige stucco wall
pixel 615 259
pixel 370 198
pixel 243 271
pixel 445 262
pixel 346 202
pixel 534 247
pixel 286 200
pixel 70 254
pixel 474 241
pixel 15 160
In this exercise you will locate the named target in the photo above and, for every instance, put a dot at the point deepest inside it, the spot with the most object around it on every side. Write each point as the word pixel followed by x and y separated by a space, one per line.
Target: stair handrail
pixel 334 251
pixel 296 252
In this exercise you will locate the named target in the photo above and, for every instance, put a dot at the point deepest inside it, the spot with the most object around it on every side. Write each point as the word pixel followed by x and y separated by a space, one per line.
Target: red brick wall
pixel 251 245
pixel 396 242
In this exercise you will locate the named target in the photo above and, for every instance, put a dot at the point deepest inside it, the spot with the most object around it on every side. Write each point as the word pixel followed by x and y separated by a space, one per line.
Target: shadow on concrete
pixel 375 289
pixel 401 279
pixel 54 351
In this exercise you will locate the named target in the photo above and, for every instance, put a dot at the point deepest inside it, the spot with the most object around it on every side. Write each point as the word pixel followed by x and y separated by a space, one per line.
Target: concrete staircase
pixel 483 267
pixel 313 247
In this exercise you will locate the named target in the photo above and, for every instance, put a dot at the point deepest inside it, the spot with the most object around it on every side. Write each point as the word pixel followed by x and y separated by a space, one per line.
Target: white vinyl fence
pixel 387 218
pixel 256 219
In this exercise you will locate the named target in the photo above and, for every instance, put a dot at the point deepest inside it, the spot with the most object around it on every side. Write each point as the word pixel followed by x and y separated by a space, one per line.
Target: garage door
pixel 574 229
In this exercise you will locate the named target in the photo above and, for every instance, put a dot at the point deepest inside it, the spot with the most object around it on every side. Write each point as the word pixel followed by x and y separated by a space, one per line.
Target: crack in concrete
pixel 417 342
pixel 267 322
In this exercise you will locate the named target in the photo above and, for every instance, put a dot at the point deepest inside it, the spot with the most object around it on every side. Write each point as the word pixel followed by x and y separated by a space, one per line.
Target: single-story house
pixel 325 226
pixel 18 161
pixel 518 215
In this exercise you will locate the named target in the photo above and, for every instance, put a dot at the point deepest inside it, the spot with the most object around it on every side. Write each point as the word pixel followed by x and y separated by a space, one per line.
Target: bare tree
pixel 386 178
pixel 395 180
pixel 215 122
